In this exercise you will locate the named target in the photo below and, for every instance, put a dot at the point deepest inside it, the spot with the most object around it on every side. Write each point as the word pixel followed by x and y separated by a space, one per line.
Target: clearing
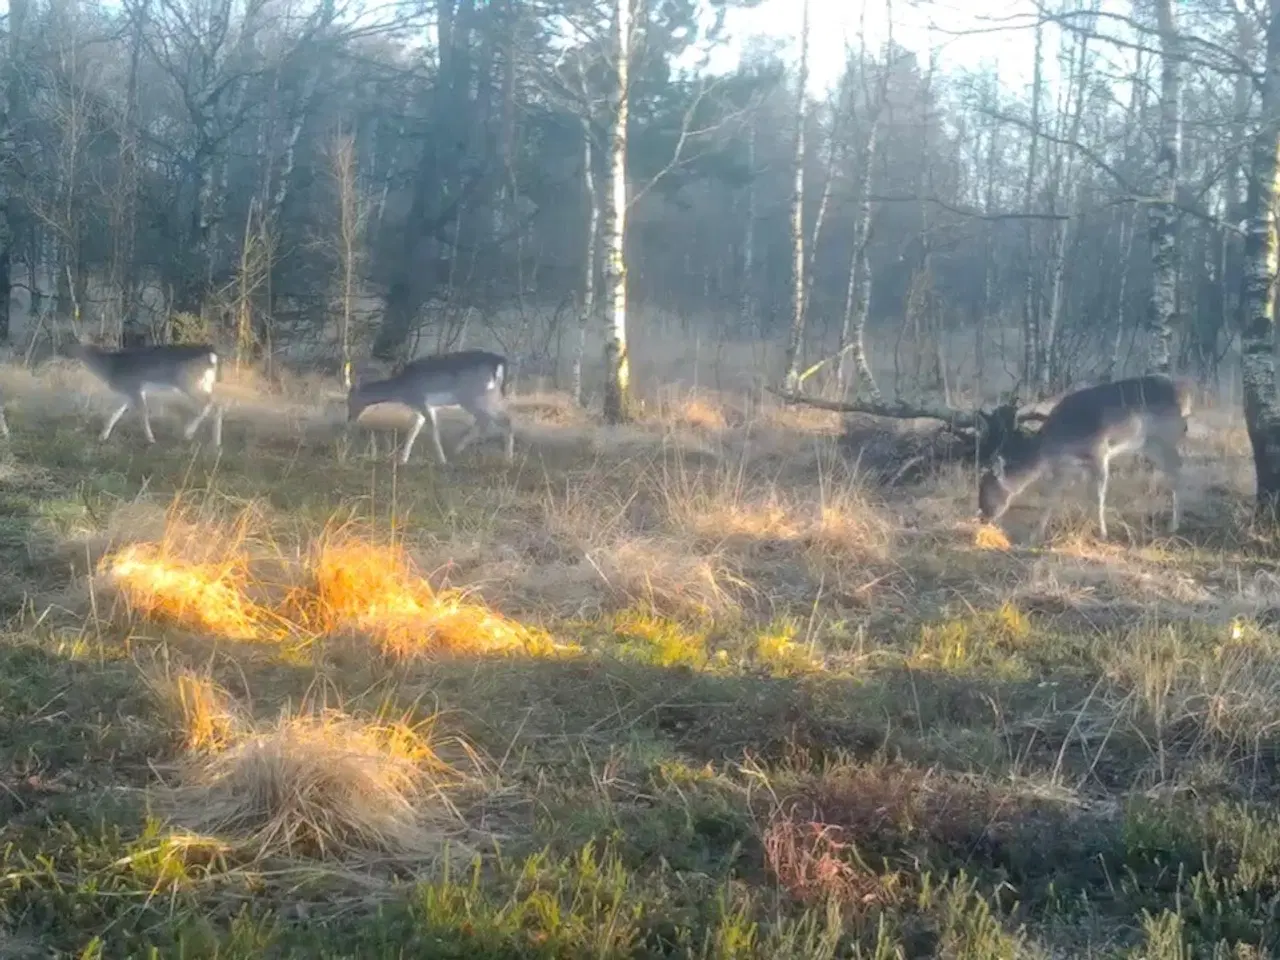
pixel 685 689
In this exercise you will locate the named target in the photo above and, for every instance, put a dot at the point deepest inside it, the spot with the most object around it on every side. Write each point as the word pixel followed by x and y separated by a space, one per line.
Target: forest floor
pixel 688 688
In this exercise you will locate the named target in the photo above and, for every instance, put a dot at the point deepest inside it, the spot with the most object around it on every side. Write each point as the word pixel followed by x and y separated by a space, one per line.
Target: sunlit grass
pixel 208 596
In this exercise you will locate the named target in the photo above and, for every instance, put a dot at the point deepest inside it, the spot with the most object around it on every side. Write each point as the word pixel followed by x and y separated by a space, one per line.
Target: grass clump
pixel 657 640
pixel 373 589
pixel 323 785
pixel 205 596
pixel 202 714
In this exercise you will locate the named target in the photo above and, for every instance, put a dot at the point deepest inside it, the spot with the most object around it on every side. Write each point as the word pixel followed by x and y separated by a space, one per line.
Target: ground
pixel 689 688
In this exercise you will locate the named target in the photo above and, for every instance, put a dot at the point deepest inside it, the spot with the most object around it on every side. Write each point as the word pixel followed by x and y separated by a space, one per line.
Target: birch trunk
pixel 1163 306
pixel 857 303
pixel 1064 182
pixel 749 239
pixel 1030 306
pixel 11 102
pixel 791 380
pixel 617 381
pixel 1257 304
pixel 589 260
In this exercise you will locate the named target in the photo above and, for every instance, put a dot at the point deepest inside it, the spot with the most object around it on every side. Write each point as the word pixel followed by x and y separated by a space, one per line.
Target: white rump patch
pixel 206 381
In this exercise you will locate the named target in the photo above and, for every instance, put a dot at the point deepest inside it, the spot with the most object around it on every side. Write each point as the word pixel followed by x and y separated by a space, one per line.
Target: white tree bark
pixel 1163 307
pixel 792 375
pixel 857 302
pixel 617 388
pixel 1257 301
pixel 1030 304
pixel 592 243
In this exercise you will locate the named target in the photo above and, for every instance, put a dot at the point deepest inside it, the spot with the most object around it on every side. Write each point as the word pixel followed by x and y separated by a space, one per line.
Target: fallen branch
pixel 958 419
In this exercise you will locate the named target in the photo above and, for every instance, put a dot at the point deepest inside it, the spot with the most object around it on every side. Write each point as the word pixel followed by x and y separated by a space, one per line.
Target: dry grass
pixel 346 585
pixel 812 862
pixel 372 589
pixel 323 785
pixel 209 597
pixel 203 715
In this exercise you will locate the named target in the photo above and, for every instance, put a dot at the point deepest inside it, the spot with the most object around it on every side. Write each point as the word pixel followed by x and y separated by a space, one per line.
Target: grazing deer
pixel 474 380
pixel 187 368
pixel 1089 428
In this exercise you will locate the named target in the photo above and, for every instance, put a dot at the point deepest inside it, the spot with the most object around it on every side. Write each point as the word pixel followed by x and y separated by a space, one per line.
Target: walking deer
pixel 132 373
pixel 474 380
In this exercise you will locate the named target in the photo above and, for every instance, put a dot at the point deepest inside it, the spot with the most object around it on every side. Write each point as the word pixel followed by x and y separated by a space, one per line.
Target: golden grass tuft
pixel 347 585
pixel 990 537
pixel 372 588
pixel 324 785
pixel 203 714
pixel 208 596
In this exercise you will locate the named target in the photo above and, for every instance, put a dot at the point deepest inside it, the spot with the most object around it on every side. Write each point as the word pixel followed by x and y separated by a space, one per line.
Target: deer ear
pixel 997 467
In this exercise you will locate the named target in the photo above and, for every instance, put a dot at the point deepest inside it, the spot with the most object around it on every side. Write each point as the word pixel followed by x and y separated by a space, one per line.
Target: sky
pixel 917 26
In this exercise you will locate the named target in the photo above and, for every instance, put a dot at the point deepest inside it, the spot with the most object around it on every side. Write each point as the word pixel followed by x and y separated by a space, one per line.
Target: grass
pixel 692 688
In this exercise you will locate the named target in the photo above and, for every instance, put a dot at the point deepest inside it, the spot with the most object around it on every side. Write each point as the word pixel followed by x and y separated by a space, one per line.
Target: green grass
pixel 899 747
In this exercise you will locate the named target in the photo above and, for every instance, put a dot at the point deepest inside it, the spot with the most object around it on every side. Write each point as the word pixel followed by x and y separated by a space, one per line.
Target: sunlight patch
pixel 990 537
pixel 203 596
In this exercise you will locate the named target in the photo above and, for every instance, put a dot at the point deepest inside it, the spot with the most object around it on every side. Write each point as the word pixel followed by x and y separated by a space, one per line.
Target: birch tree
pixel 11 116
pixel 1257 296
pixel 1163 215
pixel 1030 300
pixel 857 302
pixel 591 245
pixel 791 378
pixel 617 364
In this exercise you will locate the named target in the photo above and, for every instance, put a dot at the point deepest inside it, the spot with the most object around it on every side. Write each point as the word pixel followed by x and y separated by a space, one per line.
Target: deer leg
pixel 416 429
pixel 435 436
pixel 194 425
pixel 217 425
pixel 478 426
pixel 1101 471
pixel 4 425
pixel 1168 460
pixel 1054 485
pixel 114 419
pixel 146 416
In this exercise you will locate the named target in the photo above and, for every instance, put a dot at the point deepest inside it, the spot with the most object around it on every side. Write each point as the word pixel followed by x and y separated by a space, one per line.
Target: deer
pixel 131 373
pixel 1089 428
pixel 475 380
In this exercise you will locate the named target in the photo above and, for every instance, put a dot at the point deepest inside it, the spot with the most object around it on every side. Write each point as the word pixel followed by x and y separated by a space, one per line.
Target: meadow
pixel 692 687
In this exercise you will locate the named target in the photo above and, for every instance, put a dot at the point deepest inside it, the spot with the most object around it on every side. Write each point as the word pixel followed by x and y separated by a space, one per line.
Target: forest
pixel 720 662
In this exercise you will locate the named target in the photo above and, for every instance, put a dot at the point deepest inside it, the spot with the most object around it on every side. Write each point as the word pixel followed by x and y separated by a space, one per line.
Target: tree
pixel 1257 298
pixel 617 364
pixel 791 378
pixel 1163 216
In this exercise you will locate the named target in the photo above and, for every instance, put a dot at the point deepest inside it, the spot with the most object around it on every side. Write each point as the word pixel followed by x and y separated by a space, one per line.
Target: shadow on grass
pixel 665 805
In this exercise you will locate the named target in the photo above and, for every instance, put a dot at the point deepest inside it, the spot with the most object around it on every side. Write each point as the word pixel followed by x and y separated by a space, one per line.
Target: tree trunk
pixel 1163 307
pixel 592 245
pixel 1257 305
pixel 747 289
pixel 1030 304
pixel 857 303
pixel 617 363
pixel 1064 185
pixel 791 380
pixel 10 168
